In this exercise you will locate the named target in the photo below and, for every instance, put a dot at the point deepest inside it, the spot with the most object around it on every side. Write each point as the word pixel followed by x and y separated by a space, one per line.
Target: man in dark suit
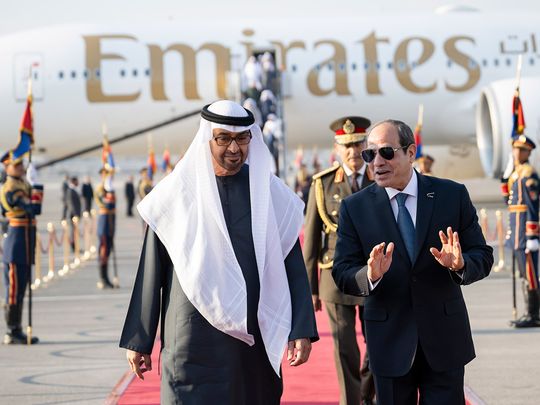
pixel 417 327
pixel 87 193
pixel 328 189
pixel 129 191
pixel 73 204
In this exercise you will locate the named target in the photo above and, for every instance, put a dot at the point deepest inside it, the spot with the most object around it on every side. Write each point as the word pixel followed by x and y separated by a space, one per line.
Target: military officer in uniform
pixel 328 188
pixel 20 203
pixel 522 237
pixel 145 184
pixel 106 201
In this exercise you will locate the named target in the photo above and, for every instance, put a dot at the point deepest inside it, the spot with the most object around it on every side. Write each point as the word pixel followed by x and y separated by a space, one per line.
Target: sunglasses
pixel 226 140
pixel 386 152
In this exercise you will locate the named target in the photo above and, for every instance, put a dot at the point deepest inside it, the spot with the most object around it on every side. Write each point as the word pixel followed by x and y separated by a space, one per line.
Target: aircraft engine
pixel 494 122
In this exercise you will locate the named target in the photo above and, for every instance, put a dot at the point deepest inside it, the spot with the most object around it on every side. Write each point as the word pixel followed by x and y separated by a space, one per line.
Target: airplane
pixel 460 65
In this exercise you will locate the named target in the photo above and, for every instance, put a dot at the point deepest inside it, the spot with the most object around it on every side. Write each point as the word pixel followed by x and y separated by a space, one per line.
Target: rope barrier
pixel 84 233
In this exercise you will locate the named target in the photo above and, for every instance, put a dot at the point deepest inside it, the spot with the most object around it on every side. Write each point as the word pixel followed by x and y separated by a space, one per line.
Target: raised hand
pixel 379 261
pixel 450 255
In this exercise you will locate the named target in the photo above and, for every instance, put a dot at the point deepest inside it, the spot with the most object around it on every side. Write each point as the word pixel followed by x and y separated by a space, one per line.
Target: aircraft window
pixel 390 65
pixel 73 74
pixel 135 72
pixel 293 68
pixel 508 62
pixel 318 67
pixel 401 65
pixel 496 62
pixel 414 64
pixel 147 72
pixel 366 65
pixel 60 75
pixel 484 62
pixel 378 65
pixel 35 75
pixel 353 66
pixel 97 73
pixel 342 66
pixel 85 73
pixel 122 72
pixel 531 61
pixel 329 65
pixel 449 63
pixel 472 64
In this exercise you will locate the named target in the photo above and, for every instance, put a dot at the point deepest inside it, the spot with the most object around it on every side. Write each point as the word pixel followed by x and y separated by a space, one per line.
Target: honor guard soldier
pixel 328 188
pixel 522 237
pixel 21 202
pixel 106 201
pixel 145 184
pixel 424 164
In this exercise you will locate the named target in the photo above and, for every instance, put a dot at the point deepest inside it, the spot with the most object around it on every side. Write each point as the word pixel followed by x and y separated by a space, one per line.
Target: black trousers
pixel 421 385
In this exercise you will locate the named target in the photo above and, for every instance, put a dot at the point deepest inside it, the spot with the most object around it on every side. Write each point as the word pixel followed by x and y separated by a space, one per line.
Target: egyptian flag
pixel 418 140
pixel 166 160
pixel 106 156
pixel 518 124
pixel 151 163
pixel 26 133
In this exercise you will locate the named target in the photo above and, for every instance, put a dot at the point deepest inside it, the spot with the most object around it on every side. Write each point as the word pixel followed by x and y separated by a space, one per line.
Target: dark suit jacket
pixel 73 202
pixel 419 302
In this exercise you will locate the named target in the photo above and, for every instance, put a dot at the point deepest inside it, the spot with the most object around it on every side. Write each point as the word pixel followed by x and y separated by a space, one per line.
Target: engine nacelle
pixel 494 122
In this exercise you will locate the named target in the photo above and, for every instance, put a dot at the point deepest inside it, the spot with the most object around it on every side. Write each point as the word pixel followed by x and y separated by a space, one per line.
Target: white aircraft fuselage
pixel 379 67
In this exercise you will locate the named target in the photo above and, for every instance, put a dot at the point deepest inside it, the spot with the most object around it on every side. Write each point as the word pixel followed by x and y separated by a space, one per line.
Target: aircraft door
pixel 24 63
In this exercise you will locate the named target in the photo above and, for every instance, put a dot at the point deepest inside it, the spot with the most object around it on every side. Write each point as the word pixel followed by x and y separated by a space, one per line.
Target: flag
pixel 26 132
pixel 518 119
pixel 151 163
pixel 106 156
pixel 166 160
pixel 418 140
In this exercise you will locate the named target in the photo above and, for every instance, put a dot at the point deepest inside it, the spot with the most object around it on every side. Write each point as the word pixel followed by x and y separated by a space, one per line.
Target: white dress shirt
pixel 349 174
pixel 411 189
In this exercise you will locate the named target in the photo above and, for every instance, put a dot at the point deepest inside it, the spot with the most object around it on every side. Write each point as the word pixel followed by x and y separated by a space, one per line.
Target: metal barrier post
pixel 50 273
pixel 77 259
pixel 65 245
pixel 500 240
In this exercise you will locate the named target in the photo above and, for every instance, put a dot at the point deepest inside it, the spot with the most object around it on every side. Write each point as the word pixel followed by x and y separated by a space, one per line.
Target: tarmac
pixel 78 360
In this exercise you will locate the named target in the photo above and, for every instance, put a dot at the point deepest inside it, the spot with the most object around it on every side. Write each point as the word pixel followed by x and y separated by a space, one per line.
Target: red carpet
pixel 313 383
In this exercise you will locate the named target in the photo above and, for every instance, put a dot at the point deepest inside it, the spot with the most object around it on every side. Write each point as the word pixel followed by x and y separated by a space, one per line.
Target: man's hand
pixel 136 360
pixel 379 262
pixel 316 303
pixel 450 255
pixel 298 351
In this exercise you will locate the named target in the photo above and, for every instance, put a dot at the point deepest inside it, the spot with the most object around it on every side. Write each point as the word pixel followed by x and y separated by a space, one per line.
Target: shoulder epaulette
pixel 329 170
pixel 526 170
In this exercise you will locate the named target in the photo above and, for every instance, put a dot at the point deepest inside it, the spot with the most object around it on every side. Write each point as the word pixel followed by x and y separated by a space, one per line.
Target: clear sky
pixel 22 15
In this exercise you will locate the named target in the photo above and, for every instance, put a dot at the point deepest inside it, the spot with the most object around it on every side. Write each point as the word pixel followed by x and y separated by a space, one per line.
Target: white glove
pixel 532 245
pixel 32 174
pixel 108 184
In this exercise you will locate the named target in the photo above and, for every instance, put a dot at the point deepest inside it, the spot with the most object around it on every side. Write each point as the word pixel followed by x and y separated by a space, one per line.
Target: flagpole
pixel 420 114
pixel 31 253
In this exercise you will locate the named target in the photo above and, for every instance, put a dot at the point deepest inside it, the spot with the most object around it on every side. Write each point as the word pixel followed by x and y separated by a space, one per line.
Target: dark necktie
pixel 406 225
pixel 354 182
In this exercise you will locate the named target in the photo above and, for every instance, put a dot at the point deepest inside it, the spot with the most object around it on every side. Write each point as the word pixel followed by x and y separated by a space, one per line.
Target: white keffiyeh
pixel 184 210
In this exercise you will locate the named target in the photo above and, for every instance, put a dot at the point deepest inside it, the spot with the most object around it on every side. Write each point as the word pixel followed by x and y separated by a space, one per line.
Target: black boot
pixel 104 281
pixel 15 334
pixel 532 318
